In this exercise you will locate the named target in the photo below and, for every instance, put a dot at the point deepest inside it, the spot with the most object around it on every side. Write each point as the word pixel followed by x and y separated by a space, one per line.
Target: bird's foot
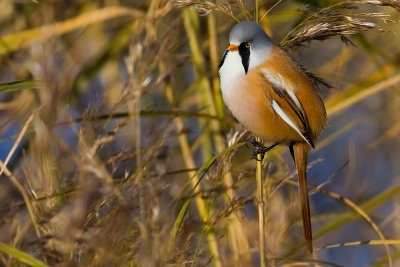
pixel 259 148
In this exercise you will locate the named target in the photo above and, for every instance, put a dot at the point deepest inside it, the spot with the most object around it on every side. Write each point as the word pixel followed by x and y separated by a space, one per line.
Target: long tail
pixel 300 155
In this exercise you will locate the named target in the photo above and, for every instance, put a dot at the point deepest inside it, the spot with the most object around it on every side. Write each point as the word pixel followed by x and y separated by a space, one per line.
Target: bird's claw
pixel 253 141
pixel 259 148
pixel 254 154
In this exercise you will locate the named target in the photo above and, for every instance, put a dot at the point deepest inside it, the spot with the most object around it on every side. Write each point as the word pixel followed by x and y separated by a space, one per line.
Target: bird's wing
pixel 296 119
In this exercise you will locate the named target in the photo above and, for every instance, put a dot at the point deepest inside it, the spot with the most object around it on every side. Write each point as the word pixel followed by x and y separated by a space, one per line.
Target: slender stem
pixel 14 180
pixel 189 162
pixel 256 15
pixel 213 36
pixel 260 194
pixel 237 238
pixel 211 95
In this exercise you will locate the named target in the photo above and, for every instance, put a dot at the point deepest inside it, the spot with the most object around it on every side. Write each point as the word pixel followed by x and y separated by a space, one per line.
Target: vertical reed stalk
pixel 256 11
pixel 236 234
pixel 237 238
pixel 190 164
pixel 260 195
pixel 134 108
pixel 212 33
pixel 191 24
pixel 260 189
pixel 138 144
pixel 14 180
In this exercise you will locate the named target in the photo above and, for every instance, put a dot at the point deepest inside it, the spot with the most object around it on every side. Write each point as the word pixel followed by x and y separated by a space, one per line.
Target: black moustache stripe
pixel 244 53
pixel 223 59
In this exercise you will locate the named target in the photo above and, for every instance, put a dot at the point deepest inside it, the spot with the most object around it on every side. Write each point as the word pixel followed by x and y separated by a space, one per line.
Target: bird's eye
pixel 247 45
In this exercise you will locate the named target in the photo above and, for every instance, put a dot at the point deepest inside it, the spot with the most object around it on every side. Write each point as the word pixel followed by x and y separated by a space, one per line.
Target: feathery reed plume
pixel 335 20
pixel 391 3
pixel 326 23
pixel 205 7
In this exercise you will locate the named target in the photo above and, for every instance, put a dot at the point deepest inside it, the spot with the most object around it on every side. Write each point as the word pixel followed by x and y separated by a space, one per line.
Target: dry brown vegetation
pixel 117 150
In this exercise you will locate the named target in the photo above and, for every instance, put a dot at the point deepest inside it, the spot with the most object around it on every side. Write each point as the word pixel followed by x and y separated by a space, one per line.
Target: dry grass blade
pixel 380 86
pixel 19 85
pixel 17 142
pixel 355 208
pixel 12 42
pixel 148 113
pixel 14 180
pixel 21 256
pixel 367 242
pixel 390 134
pixel 364 215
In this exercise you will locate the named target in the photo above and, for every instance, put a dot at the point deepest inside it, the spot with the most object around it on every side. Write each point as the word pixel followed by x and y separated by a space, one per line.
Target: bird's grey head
pixel 251 42
pixel 249 31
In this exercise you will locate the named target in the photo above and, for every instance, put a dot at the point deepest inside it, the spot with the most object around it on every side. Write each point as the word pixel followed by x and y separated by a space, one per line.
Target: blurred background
pixel 117 150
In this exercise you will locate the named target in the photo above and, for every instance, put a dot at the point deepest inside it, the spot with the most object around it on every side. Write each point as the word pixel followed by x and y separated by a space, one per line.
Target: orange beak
pixel 233 47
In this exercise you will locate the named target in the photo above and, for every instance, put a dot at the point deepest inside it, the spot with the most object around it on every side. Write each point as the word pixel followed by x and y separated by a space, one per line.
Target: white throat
pixel 231 72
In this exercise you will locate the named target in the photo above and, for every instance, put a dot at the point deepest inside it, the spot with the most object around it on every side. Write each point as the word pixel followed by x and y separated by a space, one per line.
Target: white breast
pixel 232 74
pixel 240 101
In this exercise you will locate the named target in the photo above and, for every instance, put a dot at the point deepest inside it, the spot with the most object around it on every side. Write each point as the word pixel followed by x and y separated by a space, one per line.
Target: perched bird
pixel 273 97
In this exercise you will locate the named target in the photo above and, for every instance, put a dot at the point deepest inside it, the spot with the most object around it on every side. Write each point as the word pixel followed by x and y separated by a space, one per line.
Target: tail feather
pixel 300 155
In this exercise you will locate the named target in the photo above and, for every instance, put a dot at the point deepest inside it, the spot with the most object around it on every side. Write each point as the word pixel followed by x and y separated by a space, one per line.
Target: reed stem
pixel 210 91
pixel 260 197
pixel 256 11
pixel 190 164
pixel 237 238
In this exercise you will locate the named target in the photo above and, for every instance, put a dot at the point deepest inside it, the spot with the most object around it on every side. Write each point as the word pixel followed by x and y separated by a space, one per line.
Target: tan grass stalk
pixel 256 11
pixel 190 164
pixel 134 107
pixel 260 200
pixel 23 39
pixel 357 209
pixel 361 210
pixel 350 101
pixel 260 188
pixel 212 33
pixel 237 238
pixel 358 243
pixel 15 181
pixel 21 256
